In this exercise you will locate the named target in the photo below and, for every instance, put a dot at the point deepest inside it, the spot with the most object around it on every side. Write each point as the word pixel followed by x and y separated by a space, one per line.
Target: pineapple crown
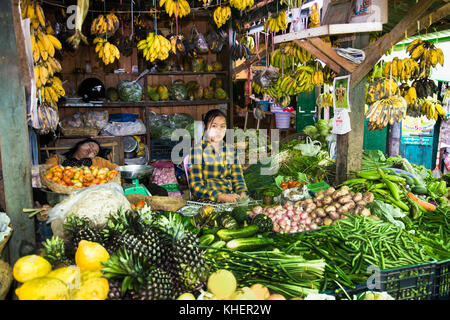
pixel 172 225
pixel 130 268
pixel 134 222
pixel 54 250
pixel 73 223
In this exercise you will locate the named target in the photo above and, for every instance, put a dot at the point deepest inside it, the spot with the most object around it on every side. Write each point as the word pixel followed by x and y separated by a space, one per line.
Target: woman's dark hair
pixel 71 152
pixel 211 115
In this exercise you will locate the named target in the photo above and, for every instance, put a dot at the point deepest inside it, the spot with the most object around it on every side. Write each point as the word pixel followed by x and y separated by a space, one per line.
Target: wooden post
pixel 350 145
pixel 16 165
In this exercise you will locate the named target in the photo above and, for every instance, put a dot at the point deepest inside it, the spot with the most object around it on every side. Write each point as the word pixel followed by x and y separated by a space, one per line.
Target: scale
pixel 134 173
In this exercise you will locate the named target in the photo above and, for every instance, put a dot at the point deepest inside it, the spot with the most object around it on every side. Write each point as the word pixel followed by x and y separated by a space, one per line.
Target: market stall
pixel 314 217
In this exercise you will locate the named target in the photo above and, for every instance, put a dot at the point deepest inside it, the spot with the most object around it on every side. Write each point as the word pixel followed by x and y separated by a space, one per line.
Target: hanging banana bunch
pixel 276 23
pixel 402 69
pixel 300 54
pixel 242 4
pixel 292 3
pixel 177 45
pixel 155 47
pixel 44 46
pixel 324 100
pixel 317 78
pixel 78 36
pixel 426 55
pixel 105 25
pixel 386 111
pixel 221 15
pixel 179 8
pixel 431 108
pixel 106 50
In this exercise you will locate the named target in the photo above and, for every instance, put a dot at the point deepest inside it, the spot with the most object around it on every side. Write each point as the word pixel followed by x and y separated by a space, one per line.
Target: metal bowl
pixel 135 171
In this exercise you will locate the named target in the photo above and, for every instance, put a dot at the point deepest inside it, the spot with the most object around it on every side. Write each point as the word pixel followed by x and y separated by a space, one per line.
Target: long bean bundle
pixel 353 244
pixel 289 275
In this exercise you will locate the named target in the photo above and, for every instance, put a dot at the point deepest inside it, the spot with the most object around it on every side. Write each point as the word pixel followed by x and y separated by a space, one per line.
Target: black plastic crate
pixel 415 282
pixel 442 280
pixel 161 149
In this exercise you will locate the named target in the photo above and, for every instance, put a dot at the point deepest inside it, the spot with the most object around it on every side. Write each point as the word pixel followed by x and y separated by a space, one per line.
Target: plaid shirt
pixel 211 174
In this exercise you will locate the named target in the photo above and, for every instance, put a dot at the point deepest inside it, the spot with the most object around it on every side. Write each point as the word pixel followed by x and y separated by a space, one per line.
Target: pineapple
pixel 78 228
pixel 115 291
pixel 54 251
pixel 130 231
pixel 185 259
pixel 139 278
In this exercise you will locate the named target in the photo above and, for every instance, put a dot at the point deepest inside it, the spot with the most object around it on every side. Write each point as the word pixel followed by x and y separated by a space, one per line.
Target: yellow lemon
pixel 43 288
pixel 30 267
pixel 70 275
pixel 222 283
pixel 92 289
pixel 89 255
pixel 90 274
pixel 186 296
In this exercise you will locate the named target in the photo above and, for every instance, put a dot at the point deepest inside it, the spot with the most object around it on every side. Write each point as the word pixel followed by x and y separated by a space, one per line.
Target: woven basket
pixel 6 278
pixel 158 203
pixel 56 187
pixel 79 132
pixel 5 241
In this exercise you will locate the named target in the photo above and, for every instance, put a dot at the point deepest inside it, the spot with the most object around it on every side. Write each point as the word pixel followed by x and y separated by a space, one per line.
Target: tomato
pixel 284 185
pixel 69 173
pixel 96 181
pixel 133 206
pixel 86 184
pixel 88 177
pixel 298 184
pixel 140 204
pixel 49 176
pixel 95 172
pixel 66 179
pixel 78 185
pixel 58 174
pixel 101 176
pixel 112 174
pixel 291 184
pixel 103 181
pixel 56 179
pixel 61 182
pixel 93 168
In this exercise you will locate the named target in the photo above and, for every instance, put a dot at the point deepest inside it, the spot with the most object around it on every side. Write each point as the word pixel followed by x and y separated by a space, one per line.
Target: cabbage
pixel 325 132
pixel 182 120
pixel 322 124
pixel 129 91
pixel 310 130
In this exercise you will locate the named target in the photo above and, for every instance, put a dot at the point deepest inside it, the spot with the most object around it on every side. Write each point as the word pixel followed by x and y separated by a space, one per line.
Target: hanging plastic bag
pixel 341 122
pixel 310 148
pixel 266 77
pixel 200 42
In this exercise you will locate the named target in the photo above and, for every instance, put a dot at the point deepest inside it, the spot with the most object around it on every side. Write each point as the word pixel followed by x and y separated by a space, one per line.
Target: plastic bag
pixel 95 119
pixel 310 148
pixel 200 42
pixel 124 128
pixel 164 176
pixel 95 203
pixel 266 77
pixel 130 91
pixel 76 121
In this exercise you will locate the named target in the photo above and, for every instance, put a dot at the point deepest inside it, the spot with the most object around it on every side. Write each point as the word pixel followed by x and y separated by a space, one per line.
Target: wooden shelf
pixel 165 73
pixel 121 104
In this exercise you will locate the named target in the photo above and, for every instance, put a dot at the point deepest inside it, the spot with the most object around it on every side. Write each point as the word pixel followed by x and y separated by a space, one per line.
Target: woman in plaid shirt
pixel 214 169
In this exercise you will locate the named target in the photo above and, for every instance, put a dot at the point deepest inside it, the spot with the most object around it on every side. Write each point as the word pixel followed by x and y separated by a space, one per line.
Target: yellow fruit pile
pixel 106 50
pixel 105 25
pixel 179 8
pixel 221 15
pixel 317 78
pixel 276 23
pixel 82 281
pixel 44 45
pixel 155 47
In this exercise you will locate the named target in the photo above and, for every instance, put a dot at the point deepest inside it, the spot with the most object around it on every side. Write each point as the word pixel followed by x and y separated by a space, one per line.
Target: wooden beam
pixel 389 40
pixel 319 55
pixel 244 65
pixel 329 51
pixel 16 162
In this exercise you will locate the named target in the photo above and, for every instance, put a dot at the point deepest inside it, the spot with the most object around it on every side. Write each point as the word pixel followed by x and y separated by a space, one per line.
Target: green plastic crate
pixel 442 280
pixel 414 282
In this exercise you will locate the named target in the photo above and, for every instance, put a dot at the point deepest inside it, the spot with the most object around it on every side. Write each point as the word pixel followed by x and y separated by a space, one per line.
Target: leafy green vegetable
pixel 387 212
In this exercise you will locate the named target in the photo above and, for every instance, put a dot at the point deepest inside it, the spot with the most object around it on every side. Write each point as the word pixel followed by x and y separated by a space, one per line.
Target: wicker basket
pixel 56 187
pixel 5 241
pixel 79 132
pixel 158 203
pixel 6 279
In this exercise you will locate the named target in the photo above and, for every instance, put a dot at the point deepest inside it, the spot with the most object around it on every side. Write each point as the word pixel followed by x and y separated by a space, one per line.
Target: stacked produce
pixel 321 130
pixel 276 23
pixel 155 47
pixel 105 25
pixel 178 8
pixel 353 244
pixel 80 177
pixel 44 45
pixel 106 50
pixel 80 281
pixel 221 15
